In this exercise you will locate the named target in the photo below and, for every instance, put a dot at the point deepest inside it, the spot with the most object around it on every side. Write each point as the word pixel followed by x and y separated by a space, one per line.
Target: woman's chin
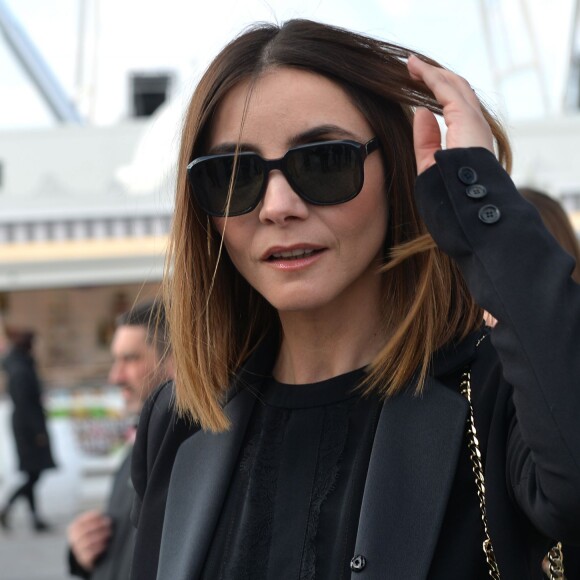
pixel 298 304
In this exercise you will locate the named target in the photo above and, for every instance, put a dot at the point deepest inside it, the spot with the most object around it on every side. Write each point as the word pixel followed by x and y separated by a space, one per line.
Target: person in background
pixel 557 222
pixel 28 422
pixel 101 543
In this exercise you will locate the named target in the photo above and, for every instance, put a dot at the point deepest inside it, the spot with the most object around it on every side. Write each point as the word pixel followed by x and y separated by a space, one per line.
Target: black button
pixel 467 175
pixel 358 563
pixel 476 191
pixel 489 214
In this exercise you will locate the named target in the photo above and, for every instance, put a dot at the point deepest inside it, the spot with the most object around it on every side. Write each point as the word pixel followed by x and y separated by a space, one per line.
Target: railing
pixel 43 230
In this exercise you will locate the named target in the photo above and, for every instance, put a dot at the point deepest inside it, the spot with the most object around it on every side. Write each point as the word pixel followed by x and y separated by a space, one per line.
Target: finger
pixel 426 138
pixel 84 527
pixel 466 124
pixel 86 518
pixel 88 544
pixel 93 548
pixel 444 84
pixel 97 529
pixel 87 555
pixel 94 543
pixel 88 547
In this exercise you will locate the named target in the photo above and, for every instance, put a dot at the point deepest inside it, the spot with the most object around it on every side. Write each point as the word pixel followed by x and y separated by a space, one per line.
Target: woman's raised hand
pixel 466 125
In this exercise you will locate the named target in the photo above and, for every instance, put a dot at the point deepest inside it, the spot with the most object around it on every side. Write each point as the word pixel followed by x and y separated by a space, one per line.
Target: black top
pixel 294 501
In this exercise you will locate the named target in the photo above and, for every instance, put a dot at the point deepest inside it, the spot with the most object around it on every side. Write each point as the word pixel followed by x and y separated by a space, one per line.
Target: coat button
pixel 489 214
pixel 358 563
pixel 476 191
pixel 467 175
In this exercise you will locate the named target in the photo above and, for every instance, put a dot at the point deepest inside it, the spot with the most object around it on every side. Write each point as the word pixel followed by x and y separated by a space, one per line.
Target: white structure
pixel 546 157
pixel 75 248
pixel 65 219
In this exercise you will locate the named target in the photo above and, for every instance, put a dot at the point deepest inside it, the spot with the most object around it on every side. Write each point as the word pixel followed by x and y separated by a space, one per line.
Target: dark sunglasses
pixel 325 173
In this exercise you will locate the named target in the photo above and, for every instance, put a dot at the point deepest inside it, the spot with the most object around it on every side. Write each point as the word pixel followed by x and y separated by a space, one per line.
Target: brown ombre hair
pixel 216 318
pixel 557 223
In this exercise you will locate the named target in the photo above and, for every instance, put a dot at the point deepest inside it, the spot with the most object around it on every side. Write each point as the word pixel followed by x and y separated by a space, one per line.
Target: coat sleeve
pixel 74 568
pixel 516 270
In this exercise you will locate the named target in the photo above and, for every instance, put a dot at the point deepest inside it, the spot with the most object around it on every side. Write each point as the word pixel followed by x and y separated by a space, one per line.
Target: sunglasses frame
pixel 362 150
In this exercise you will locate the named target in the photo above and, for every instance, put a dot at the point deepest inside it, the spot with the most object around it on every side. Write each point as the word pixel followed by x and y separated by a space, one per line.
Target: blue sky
pixel 178 34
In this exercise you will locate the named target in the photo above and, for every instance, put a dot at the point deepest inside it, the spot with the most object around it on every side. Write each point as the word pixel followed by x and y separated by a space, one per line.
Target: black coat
pixel 28 418
pixel 419 516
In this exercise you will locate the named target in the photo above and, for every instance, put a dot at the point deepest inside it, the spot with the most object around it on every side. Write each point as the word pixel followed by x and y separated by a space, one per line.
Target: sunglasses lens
pixel 327 173
pixel 211 179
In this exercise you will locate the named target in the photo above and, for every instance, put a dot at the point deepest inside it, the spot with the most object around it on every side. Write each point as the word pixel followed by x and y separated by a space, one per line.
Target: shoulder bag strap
pixel 555 556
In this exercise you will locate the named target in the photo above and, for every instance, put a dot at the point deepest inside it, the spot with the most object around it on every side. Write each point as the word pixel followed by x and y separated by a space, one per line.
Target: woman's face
pixel 300 256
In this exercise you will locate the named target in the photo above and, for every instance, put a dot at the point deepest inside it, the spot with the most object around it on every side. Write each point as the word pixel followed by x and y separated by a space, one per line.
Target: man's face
pixel 136 368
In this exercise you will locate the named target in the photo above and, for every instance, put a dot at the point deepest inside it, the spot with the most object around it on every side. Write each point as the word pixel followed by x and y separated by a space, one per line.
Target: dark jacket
pixel 115 564
pixel 28 419
pixel 419 516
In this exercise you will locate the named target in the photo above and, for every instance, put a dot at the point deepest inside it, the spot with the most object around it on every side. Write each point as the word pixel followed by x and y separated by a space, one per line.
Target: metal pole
pixel 37 69
pixel 537 63
pixel 571 96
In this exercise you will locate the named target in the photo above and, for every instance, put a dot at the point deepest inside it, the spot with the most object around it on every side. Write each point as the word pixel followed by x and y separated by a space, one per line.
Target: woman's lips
pixel 291 254
pixel 296 251
pixel 293 259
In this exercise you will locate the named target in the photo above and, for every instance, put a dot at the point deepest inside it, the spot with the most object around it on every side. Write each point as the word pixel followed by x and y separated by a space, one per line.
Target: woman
pixel 28 424
pixel 322 336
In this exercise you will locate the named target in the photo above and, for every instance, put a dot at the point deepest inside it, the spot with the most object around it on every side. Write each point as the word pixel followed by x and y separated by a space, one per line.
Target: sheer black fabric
pixel 293 505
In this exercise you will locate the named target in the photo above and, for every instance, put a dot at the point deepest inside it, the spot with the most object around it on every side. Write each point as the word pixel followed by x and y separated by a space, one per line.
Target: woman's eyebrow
pixel 223 148
pixel 321 132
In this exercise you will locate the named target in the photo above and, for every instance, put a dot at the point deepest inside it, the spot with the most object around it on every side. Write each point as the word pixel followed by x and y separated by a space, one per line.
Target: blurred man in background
pixel 101 543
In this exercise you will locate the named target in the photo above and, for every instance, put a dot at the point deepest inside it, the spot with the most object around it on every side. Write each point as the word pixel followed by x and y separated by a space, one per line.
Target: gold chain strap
pixel 555 555
pixel 477 467
pixel 556 561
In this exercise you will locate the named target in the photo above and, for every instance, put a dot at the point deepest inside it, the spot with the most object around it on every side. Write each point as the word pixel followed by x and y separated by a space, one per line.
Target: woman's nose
pixel 280 202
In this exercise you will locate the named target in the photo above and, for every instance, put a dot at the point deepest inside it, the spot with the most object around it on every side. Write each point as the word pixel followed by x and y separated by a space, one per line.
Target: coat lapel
pixel 198 487
pixel 410 475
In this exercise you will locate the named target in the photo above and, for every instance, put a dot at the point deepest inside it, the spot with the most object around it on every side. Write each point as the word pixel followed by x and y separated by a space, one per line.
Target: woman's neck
pixel 328 342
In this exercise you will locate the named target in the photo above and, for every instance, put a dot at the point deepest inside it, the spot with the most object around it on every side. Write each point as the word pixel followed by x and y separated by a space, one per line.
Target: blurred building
pixel 76 248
